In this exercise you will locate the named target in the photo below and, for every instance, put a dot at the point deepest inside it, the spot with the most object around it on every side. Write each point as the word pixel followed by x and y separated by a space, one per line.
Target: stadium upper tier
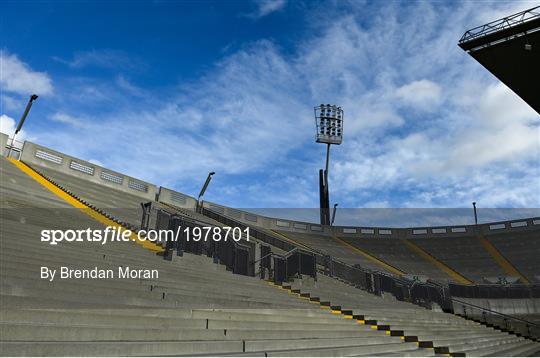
pixel 510 49
pixel 193 306
pixel 461 254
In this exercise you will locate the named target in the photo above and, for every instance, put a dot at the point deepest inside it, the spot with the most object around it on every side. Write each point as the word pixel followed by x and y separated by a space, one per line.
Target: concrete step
pixel 119 348
pixel 493 350
pixel 94 318
pixel 524 349
pixel 283 344
pixel 142 288
pixel 71 291
pixel 345 351
pixel 418 352
pixel 469 346
pixel 50 332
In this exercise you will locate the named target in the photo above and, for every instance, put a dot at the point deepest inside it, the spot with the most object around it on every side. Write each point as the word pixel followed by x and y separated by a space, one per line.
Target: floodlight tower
pixel 329 124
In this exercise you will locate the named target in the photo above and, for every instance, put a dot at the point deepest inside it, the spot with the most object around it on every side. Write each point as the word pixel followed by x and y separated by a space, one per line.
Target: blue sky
pixel 168 91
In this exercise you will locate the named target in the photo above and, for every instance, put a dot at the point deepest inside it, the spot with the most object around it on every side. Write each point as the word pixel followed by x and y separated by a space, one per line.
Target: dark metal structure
pixel 329 124
pixel 509 48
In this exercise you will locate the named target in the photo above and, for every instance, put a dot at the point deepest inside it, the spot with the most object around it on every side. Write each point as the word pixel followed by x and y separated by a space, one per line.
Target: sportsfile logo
pixel 119 234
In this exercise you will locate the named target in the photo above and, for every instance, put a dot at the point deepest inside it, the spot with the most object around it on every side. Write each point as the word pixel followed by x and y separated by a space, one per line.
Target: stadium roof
pixel 510 49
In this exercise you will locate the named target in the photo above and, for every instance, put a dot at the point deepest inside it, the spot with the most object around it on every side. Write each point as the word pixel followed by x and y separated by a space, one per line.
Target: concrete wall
pixel 268 222
pixel 376 232
pixel 3 143
pixel 39 156
pixel 64 163
pixel 175 198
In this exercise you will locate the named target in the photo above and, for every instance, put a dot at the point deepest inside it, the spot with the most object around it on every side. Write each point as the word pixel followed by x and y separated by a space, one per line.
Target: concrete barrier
pixel 39 156
pixel 268 222
pixel 3 144
pixel 171 197
pixel 245 217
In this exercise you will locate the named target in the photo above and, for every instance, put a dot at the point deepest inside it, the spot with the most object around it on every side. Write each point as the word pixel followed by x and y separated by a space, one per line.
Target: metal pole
pixel 27 109
pixel 21 122
pixel 203 190
pixel 326 200
pixel 327 162
pixel 475 215
pixel 334 215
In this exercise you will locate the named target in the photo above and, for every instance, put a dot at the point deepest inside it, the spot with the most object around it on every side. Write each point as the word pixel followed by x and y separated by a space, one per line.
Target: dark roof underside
pixel 504 54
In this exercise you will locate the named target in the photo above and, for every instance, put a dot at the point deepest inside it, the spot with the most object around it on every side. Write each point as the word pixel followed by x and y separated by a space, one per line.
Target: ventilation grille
pixel 497 226
pixel 135 185
pixel 234 213
pixel 111 177
pixel 81 167
pixel 300 226
pixel 48 156
pixel 250 217
pixel 178 198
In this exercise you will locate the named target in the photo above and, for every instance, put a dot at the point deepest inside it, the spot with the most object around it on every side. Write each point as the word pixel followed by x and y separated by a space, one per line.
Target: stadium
pixel 276 287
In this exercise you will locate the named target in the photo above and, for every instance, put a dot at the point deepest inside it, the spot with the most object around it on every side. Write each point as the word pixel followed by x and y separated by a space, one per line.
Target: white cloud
pixel 17 77
pixel 8 126
pixel 104 58
pixel 11 103
pixel 266 7
pixel 67 119
pixel 423 94
pixel 425 125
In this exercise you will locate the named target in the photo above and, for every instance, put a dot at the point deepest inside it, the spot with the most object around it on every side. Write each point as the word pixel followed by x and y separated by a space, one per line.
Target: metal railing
pixel 237 257
pixel 425 294
pixel 499 320
pixel 501 24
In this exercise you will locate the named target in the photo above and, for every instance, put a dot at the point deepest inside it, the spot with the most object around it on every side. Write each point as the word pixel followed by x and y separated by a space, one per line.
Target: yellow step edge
pixel 456 276
pixel 500 259
pixel 370 257
pixel 81 206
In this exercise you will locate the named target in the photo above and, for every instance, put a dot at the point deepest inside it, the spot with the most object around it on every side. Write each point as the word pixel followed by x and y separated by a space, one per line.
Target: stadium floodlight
pixel 203 190
pixel 329 127
pixel 329 123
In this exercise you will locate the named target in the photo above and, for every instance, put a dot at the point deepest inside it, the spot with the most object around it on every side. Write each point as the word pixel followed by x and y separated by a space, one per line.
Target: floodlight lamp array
pixel 329 123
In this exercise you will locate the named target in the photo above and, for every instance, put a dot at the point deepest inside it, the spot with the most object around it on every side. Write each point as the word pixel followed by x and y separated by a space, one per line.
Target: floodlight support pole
pixel 21 121
pixel 327 161
pixel 203 190
pixel 26 110
pixel 324 191
pixel 475 214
